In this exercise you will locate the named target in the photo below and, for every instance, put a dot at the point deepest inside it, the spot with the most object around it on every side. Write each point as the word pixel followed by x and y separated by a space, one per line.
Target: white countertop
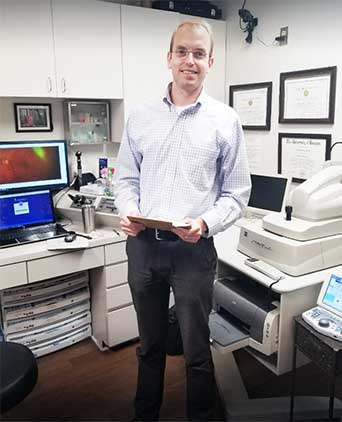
pixel 35 250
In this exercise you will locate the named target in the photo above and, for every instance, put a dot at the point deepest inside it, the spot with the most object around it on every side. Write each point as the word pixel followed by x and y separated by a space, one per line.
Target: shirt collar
pixel 201 100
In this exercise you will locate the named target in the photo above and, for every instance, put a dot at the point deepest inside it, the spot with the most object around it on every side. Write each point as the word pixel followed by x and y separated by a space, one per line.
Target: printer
pixel 309 239
pixel 245 314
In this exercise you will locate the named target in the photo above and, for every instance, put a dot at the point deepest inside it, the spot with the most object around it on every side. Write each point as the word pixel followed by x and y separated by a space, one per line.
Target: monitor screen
pixel 332 298
pixel 268 194
pixel 25 209
pixel 26 165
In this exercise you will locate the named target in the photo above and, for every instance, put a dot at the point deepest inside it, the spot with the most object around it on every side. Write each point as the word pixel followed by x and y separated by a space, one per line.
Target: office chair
pixel 18 374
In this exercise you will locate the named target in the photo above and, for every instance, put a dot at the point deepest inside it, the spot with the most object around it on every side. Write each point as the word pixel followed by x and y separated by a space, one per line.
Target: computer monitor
pixel 268 194
pixel 28 165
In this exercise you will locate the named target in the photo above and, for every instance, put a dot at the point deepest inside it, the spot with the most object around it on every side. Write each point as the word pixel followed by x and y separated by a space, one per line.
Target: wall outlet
pixel 283 36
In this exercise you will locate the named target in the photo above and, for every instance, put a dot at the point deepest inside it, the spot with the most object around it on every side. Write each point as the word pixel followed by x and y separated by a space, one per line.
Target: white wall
pixel 90 153
pixel 315 34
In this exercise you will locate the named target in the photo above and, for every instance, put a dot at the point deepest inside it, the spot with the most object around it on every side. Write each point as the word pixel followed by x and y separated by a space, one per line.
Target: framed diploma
pixel 301 155
pixel 308 96
pixel 252 102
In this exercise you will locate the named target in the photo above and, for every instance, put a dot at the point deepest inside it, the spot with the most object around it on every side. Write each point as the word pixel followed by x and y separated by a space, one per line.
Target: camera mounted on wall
pixel 250 21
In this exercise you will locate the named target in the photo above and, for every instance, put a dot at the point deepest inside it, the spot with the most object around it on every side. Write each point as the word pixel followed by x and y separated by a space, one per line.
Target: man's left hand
pixel 193 233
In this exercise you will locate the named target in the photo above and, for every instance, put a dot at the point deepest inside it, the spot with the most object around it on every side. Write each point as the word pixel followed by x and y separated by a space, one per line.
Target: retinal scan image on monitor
pixel 32 164
pixel 29 164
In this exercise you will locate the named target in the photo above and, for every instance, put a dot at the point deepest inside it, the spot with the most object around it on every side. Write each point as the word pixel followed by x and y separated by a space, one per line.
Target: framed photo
pixel 308 96
pixel 33 117
pixel 252 102
pixel 301 155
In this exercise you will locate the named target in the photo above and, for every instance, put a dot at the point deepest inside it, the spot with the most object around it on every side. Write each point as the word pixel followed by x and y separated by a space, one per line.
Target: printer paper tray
pixel 225 336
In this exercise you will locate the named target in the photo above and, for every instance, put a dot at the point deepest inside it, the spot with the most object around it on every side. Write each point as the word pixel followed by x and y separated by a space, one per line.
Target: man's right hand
pixel 130 228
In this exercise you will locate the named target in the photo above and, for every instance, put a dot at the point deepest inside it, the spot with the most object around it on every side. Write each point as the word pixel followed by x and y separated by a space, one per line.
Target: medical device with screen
pixel 28 165
pixel 268 194
pixel 331 295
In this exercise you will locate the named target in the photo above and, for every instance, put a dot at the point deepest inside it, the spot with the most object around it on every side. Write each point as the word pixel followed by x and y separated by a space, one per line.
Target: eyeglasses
pixel 182 53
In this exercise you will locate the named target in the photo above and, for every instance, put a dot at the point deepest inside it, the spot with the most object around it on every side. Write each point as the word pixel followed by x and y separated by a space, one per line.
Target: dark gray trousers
pixel 154 266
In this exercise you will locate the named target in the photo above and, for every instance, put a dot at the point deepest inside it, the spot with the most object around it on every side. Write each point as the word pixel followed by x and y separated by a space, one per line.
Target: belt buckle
pixel 157 235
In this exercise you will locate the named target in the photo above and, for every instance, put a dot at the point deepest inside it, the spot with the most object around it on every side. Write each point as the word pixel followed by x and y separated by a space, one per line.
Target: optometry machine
pixel 309 237
pixel 70 206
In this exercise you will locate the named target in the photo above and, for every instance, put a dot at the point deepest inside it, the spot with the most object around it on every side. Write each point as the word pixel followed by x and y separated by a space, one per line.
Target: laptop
pixel 27 217
pixel 326 317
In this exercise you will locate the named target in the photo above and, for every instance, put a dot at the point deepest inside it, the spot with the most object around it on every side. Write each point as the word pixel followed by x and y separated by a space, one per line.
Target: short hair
pixel 195 24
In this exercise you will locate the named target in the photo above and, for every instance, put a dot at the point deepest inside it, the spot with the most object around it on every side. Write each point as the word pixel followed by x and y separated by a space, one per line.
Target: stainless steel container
pixel 88 218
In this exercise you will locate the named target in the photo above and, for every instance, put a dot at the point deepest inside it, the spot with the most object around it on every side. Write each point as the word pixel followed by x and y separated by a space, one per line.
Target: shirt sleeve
pixel 235 183
pixel 127 175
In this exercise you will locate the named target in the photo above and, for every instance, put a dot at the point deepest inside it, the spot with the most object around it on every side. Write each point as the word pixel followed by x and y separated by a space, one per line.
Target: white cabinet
pixel 87 39
pixel 60 48
pixel 146 35
pixel 26 49
pixel 113 316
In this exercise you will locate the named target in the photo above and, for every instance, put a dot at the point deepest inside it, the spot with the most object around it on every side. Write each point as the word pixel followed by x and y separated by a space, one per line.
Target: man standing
pixel 181 158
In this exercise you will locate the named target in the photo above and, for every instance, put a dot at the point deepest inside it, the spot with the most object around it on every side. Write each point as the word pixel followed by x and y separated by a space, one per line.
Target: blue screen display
pixel 25 209
pixel 333 294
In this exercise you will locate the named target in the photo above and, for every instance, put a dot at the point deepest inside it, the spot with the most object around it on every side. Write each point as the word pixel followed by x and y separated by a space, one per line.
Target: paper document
pixel 59 243
pixel 158 224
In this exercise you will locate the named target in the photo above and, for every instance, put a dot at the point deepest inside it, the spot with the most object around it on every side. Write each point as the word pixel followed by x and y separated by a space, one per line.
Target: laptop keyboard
pixel 34 234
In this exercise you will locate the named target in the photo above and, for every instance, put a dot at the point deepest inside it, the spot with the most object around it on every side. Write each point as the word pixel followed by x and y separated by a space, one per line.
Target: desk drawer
pixel 122 326
pixel 66 263
pixel 116 252
pixel 116 274
pixel 118 297
pixel 13 275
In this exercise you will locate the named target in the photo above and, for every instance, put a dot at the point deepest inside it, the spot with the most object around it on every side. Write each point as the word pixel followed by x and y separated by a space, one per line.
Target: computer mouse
pixel 70 237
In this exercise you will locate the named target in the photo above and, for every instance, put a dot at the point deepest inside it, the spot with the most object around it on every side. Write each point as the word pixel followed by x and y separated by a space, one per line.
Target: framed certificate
pixel 308 96
pixel 252 102
pixel 301 155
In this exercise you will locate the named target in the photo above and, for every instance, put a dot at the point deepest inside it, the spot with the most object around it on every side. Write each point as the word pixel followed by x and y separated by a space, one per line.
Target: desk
pixel 296 294
pixel 324 352
pixel 113 315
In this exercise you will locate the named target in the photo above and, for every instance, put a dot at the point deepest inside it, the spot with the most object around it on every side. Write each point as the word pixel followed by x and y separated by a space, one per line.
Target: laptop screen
pixel 26 209
pixel 332 296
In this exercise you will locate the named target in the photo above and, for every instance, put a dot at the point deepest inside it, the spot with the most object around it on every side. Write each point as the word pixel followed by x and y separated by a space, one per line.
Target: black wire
pixel 270 292
pixel 244 29
pixel 332 146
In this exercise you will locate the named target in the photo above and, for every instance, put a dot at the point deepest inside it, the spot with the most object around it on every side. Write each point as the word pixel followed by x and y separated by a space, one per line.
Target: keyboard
pixel 324 321
pixel 27 235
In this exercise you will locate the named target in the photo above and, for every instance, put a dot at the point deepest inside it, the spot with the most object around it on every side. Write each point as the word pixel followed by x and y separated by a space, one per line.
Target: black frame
pixel 247 87
pixel 19 128
pixel 305 74
pixel 323 136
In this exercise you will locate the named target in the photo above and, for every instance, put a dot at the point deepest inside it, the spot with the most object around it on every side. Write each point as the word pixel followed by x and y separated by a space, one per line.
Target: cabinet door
pixel 146 35
pixel 26 49
pixel 87 48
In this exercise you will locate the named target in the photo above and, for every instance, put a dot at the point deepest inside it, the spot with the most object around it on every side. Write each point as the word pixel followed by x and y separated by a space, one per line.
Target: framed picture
pixel 252 102
pixel 308 96
pixel 33 117
pixel 301 155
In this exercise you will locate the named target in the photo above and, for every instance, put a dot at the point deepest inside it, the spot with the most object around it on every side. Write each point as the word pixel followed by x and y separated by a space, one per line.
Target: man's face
pixel 189 70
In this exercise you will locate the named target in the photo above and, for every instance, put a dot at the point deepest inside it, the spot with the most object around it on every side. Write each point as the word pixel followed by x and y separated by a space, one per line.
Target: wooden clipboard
pixel 157 224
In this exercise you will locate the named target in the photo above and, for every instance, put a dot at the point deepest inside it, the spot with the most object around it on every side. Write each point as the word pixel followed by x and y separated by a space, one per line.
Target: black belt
pixel 156 234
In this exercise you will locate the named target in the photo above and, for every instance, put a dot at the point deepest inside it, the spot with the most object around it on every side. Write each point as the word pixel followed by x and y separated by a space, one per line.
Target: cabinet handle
pixel 49 84
pixel 63 85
